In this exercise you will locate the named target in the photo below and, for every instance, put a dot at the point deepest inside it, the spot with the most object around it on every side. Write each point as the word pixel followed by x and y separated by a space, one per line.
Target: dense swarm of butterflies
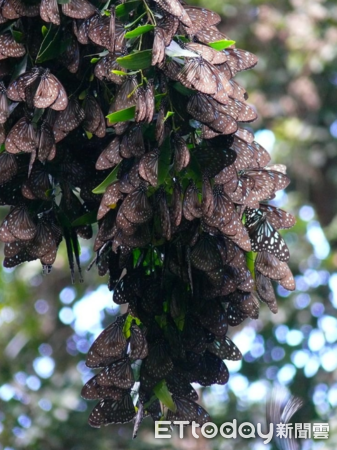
pixel 128 115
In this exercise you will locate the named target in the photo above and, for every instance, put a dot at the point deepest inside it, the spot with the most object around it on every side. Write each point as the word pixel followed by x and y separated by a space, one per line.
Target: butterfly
pixel 281 410
pixel 70 118
pixel 148 167
pixel 22 137
pixel 188 410
pixel 180 387
pixel 46 149
pixel 78 9
pixel 264 237
pixel 71 56
pixel 105 66
pixel 94 120
pixel 8 167
pixel 9 48
pixel 110 199
pixel 132 143
pixel 213 319
pixel 136 206
pixel 224 348
pixel 164 215
pixel 181 153
pixel 118 373
pixel 176 209
pixel 271 267
pixel 138 343
pixel 110 156
pixel 201 18
pixel 92 390
pixel 174 8
pixel 191 204
pixel 49 11
pixel 158 363
pixel 102 30
pixel 238 60
pixel 265 291
pixel 208 111
pixel 20 224
pixel 201 75
pixel 38 184
pixel 112 411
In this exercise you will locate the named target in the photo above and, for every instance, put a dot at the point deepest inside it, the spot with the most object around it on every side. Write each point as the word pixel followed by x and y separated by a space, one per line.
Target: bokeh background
pixel 47 324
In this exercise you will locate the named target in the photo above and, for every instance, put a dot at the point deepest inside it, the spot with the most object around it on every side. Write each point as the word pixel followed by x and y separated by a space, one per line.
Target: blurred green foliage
pixel 47 325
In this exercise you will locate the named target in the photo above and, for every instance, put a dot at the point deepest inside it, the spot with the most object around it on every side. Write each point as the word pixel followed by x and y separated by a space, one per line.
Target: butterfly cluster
pixel 128 115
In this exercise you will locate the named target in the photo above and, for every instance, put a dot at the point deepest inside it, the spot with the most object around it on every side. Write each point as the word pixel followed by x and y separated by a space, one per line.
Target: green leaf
pixel 20 68
pixel 94 60
pixel 44 30
pixel 250 260
pixel 17 35
pixel 168 115
pixel 119 73
pixel 164 161
pixel 164 395
pixel 86 219
pixel 221 45
pixel 136 61
pixel 123 115
pixel 111 178
pixel 52 45
pixel 63 2
pixel 125 8
pixel 139 31
pixel 182 89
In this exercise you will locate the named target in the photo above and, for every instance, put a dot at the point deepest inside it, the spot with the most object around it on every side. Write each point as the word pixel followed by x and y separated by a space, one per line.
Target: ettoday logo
pixel 228 430
pixel 231 430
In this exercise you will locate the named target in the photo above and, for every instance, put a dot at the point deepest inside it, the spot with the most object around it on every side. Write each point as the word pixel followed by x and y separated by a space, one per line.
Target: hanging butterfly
pixel 191 204
pixel 189 411
pixel 49 11
pixel 105 66
pixel 174 8
pixel 71 56
pixel 238 60
pixel 176 210
pixel 110 156
pixel 9 48
pixel 136 206
pixel 264 237
pixel 266 292
pixel 118 373
pixel 70 118
pixel 21 138
pixel 213 318
pixel 199 73
pixel 148 167
pixel 92 390
pixel 20 223
pixel 201 18
pixel 158 363
pixel 224 348
pixel 110 199
pixel 271 267
pixel 78 9
pixel 8 167
pixel 132 143
pixel 94 120
pixel 112 411
pixel 138 343
pixel 180 387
